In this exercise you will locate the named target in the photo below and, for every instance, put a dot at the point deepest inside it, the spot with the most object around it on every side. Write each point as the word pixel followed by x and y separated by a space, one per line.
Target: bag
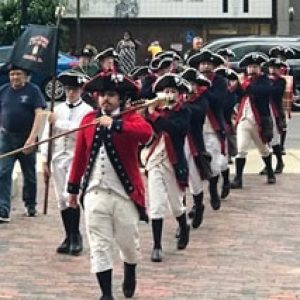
pixel 203 160
pixel 267 128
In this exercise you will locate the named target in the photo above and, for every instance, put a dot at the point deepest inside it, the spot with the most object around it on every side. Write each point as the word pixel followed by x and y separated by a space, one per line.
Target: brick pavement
pixel 250 250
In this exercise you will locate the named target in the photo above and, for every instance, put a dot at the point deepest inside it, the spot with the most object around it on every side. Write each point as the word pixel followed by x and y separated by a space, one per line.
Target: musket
pixel 58 13
pixel 147 103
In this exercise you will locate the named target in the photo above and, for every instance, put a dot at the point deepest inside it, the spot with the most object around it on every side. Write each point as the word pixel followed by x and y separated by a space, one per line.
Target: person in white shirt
pixel 66 116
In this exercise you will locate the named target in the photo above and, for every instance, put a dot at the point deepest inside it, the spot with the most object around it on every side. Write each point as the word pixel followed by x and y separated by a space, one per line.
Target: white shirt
pixel 247 111
pixel 66 118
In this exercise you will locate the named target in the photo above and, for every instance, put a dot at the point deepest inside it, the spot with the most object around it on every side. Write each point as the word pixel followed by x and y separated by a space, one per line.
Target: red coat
pixel 134 131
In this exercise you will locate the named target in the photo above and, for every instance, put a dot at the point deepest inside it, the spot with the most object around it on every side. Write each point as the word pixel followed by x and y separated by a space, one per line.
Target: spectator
pixel 21 105
pixel 154 49
pixel 196 47
pixel 126 48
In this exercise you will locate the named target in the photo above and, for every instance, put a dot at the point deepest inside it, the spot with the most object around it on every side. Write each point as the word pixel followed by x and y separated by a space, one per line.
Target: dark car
pixel 244 44
pixel 64 62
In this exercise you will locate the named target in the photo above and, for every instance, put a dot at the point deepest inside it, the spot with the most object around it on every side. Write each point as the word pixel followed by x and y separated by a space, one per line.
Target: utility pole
pixel 24 19
pixel 78 29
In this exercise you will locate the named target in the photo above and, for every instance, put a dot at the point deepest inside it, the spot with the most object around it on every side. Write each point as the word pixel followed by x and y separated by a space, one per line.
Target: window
pixel 225 6
pixel 246 6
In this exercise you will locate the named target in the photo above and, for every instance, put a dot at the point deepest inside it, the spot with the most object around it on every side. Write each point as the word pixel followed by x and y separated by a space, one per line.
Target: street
pixel 249 250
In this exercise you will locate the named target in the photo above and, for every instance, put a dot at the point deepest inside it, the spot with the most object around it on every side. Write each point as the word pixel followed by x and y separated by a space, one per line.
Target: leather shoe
pixel 184 237
pixel 64 247
pixel 271 179
pixel 225 191
pixel 129 287
pixel 104 297
pixel 156 255
pixel 198 216
pixel 75 244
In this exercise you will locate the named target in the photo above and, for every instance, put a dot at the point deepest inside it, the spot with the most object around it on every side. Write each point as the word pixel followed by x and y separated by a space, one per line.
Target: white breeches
pixel 247 131
pixel 164 192
pixel 111 218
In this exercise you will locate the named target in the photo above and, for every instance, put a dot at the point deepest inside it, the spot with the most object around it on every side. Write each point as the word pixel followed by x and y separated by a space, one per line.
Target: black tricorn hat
pixel 205 56
pixel 113 82
pixel 109 52
pixel 275 62
pixel 73 78
pixel 193 76
pixel 280 51
pixel 227 73
pixel 158 63
pixel 253 58
pixel 171 80
pixel 169 53
pixel 138 72
pixel 226 52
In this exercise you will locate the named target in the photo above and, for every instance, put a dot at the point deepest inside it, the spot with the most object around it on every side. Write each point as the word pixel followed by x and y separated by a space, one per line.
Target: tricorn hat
pixel 170 53
pixel 73 78
pixel 205 56
pixel 171 80
pixel 113 82
pixel 227 73
pixel 253 58
pixel 275 62
pixel 158 63
pixel 139 71
pixel 280 51
pixel 226 52
pixel 193 76
pixel 109 52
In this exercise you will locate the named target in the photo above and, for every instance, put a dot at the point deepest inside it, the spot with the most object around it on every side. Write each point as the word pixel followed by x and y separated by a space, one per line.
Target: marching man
pixel 254 122
pixel 167 165
pixel 106 157
pixel 66 116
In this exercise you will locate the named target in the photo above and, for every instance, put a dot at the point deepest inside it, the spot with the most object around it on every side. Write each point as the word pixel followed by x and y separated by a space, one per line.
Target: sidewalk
pixel 249 250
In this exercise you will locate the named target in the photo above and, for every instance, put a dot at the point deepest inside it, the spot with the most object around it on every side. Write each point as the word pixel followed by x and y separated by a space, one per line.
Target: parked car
pixel 245 44
pixel 64 62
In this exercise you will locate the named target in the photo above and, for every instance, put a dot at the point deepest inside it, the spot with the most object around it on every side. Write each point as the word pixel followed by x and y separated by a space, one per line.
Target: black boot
pixel 75 237
pixel 215 200
pixel 237 182
pixel 184 236
pixel 104 281
pixel 157 225
pixel 64 247
pixel 129 283
pixel 198 211
pixel 282 142
pixel 278 154
pixel 226 184
pixel 270 174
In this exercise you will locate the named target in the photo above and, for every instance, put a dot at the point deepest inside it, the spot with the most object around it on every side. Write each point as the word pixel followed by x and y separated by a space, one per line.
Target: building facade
pixel 172 22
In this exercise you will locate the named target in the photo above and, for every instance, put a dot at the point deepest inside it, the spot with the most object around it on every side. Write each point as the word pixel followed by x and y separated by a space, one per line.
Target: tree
pixel 38 12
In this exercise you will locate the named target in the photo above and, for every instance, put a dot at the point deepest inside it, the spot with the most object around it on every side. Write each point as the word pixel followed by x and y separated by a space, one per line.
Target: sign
pixel 36 50
pixel 169 9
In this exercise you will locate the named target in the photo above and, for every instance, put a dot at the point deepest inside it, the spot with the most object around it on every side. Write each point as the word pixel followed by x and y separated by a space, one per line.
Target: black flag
pixel 36 50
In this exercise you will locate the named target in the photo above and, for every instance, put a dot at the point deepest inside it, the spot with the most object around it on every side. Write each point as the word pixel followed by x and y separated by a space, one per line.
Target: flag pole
pixel 58 12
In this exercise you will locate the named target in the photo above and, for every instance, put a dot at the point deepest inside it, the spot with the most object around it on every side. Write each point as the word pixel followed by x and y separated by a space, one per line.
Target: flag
pixel 36 50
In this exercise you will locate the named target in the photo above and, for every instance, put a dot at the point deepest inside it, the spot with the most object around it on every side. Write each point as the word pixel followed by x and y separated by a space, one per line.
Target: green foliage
pixel 38 12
